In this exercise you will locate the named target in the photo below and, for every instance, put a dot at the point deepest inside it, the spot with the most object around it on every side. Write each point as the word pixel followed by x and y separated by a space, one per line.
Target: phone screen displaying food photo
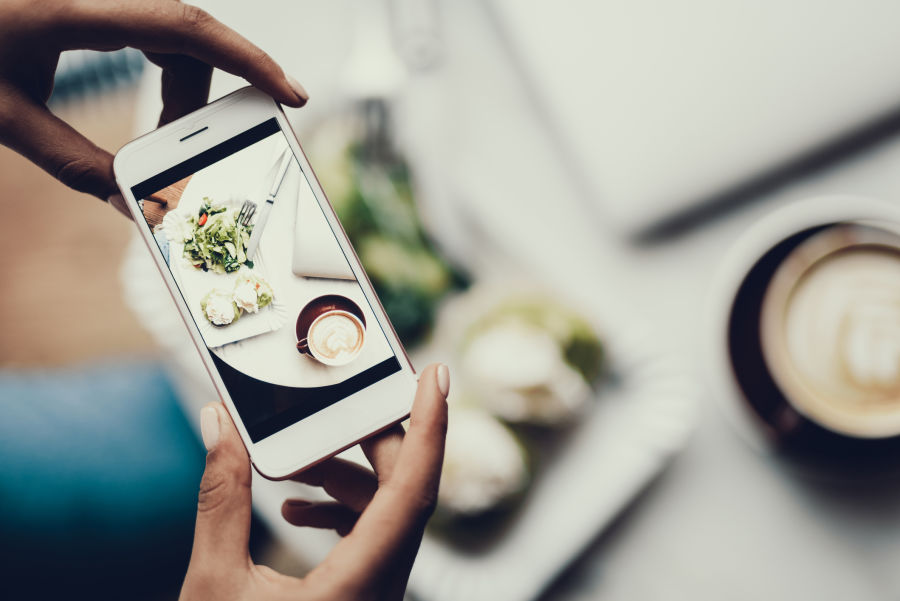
pixel 266 281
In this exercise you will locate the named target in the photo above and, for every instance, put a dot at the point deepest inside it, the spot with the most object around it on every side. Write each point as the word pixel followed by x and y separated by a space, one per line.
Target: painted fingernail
pixel 443 379
pixel 298 89
pixel 209 427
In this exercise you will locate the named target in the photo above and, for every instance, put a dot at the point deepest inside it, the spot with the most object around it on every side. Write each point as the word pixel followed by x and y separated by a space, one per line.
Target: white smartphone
pixel 304 358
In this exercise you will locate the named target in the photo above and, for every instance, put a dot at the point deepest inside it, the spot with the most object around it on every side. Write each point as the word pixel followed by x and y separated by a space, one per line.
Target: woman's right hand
pixel 381 515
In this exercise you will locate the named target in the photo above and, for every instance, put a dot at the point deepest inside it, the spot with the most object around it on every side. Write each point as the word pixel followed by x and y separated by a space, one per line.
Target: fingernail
pixel 209 427
pixel 443 379
pixel 298 89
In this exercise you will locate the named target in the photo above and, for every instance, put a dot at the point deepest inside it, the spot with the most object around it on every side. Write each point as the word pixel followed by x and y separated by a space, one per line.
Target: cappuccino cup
pixel 331 329
pixel 803 348
pixel 830 329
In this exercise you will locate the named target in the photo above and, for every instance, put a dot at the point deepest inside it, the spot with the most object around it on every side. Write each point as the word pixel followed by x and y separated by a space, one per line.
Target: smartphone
pixel 267 282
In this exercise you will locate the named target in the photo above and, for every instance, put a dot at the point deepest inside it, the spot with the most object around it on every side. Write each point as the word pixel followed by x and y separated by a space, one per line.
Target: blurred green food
pixel 580 345
pixel 371 192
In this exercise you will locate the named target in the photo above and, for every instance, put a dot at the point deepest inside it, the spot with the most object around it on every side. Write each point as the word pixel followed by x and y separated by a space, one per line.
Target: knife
pixel 267 206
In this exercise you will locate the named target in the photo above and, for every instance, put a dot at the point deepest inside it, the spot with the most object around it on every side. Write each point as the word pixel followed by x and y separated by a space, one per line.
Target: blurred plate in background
pixel 643 414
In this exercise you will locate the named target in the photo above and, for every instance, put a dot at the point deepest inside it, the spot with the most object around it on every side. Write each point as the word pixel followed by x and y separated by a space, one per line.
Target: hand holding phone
pixel 381 515
pixel 182 39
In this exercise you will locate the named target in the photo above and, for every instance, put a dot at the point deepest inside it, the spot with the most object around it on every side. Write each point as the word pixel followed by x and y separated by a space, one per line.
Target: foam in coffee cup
pixel 830 330
pixel 331 329
pixel 336 337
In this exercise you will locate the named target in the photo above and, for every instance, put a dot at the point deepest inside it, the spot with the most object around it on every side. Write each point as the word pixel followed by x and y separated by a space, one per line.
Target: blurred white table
pixel 724 521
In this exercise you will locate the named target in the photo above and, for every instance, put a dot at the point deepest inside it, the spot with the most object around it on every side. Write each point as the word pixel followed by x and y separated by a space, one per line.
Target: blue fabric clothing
pixel 98 467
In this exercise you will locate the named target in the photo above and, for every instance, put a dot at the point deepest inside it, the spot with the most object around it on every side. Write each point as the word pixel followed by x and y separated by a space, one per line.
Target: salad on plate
pixel 215 240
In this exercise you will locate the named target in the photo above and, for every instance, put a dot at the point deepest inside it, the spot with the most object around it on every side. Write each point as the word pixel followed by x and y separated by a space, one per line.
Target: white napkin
pixel 316 250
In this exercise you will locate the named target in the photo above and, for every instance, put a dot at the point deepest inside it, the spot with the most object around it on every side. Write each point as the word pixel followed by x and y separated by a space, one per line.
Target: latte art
pixel 336 337
pixel 830 330
pixel 843 329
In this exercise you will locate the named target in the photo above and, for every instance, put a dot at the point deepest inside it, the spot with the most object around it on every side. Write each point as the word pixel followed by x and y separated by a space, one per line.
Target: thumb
pixel 223 509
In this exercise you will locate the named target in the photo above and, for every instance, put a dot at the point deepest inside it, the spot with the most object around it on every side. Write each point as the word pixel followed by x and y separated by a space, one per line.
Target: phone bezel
pixel 338 426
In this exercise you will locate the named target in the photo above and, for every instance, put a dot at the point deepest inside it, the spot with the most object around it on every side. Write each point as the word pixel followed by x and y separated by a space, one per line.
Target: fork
pixel 248 210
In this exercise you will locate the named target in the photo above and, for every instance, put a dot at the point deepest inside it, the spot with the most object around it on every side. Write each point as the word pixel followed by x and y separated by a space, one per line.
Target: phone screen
pixel 266 281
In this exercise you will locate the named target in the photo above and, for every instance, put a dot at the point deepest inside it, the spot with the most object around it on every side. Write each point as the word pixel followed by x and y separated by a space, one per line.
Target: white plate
pixel 642 415
pixel 195 283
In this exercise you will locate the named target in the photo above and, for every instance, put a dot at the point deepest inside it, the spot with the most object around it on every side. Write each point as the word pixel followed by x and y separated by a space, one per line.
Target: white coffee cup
pixel 746 258
pixel 331 329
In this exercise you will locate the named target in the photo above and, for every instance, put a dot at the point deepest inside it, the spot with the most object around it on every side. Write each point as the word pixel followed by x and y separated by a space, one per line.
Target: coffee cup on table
pixel 331 329
pixel 804 323
pixel 830 329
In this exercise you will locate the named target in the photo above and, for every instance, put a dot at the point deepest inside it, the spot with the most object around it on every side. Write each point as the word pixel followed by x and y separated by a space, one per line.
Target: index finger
pixel 167 26
pixel 382 450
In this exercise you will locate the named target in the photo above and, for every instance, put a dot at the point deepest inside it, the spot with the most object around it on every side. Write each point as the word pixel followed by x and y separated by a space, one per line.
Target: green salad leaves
pixel 217 242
